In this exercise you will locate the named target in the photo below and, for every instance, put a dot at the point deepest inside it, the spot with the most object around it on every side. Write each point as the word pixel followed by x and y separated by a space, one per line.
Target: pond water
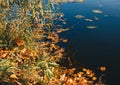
pixel 99 46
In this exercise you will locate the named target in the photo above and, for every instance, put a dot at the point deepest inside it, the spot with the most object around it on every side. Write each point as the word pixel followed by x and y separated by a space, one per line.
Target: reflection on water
pixel 95 47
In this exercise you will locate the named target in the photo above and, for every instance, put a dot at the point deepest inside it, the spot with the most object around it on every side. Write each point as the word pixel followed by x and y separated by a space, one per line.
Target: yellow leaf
pixel 88 72
pixel 53 46
pixel 13 76
pixel 91 75
pixel 94 78
pixel 80 74
pixel 84 69
pixel 23 50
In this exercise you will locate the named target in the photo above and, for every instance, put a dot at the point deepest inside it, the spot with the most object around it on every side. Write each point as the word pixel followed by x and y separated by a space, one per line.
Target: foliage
pixel 29 45
pixel 27 41
pixel 66 76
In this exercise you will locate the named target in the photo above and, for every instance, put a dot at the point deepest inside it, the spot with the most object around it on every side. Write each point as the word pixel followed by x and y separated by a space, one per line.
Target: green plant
pixel 24 26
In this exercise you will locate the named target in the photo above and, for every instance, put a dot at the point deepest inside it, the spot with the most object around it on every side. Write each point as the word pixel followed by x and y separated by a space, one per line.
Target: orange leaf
pixel 40 25
pixel 65 40
pixel 20 42
pixel 1 53
pixel 103 68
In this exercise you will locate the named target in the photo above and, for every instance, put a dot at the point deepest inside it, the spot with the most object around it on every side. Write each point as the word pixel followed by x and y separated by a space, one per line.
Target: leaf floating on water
pixel 79 16
pixel 66 29
pixel 61 15
pixel 62 30
pixel 64 40
pixel 102 68
pixel 91 27
pixel 96 18
pixel 64 22
pixel 90 20
pixel 97 11
pixel 80 0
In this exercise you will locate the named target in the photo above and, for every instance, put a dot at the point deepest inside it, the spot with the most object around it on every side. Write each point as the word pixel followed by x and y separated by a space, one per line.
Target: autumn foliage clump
pixel 29 49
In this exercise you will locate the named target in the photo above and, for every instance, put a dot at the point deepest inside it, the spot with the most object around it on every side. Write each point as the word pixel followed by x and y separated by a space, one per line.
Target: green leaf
pixel 53 64
pixel 49 73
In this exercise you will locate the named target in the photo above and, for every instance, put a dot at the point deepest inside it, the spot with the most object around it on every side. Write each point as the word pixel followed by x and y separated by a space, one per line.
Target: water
pixel 95 47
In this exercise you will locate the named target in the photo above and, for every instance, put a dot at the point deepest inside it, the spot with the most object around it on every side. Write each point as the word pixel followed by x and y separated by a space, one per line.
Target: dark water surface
pixel 95 47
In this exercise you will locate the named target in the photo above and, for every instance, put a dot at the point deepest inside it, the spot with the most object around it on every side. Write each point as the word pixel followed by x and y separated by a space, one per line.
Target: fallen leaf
pixel 13 76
